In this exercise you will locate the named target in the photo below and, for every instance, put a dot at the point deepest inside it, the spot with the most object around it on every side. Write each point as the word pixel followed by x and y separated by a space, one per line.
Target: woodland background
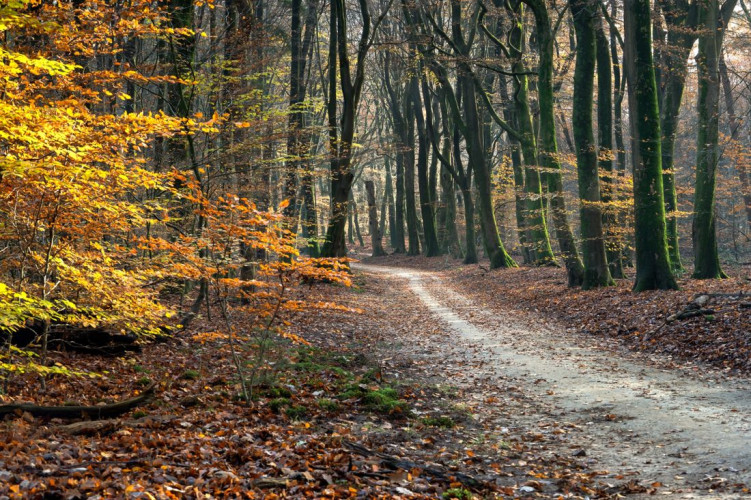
pixel 201 166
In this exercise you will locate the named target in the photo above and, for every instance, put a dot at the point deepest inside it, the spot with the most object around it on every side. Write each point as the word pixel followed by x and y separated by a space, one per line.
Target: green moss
pixel 385 401
pixel 277 404
pixel 459 493
pixel 374 374
pixel 340 372
pixel 296 412
pixel 382 400
pixel 279 392
pixel 190 375
pixel 144 381
pixel 445 422
pixel 307 366
pixel 328 404
pixel 139 414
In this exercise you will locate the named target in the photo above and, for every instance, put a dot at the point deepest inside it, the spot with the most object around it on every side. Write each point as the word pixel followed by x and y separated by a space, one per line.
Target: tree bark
pixel 534 214
pixel 340 144
pixel 596 271
pixel 549 159
pixel 605 150
pixel 93 412
pixel 431 248
pixel 653 270
pixel 741 168
pixel 375 231
pixel 704 231
pixel 680 17
pixel 413 235
pixel 400 130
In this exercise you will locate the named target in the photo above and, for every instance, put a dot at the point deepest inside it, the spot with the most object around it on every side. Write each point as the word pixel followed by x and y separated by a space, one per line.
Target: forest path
pixel 657 425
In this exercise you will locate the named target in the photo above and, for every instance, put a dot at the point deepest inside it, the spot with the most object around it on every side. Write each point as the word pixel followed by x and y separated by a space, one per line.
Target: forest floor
pixel 451 381
pixel 666 420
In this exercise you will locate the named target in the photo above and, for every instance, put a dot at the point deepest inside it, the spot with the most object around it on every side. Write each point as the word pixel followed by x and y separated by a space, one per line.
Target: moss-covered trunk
pixel 606 152
pixel 476 153
pixel 596 271
pixel 653 270
pixel 548 146
pixel 534 206
pixel 680 19
pixel 517 167
pixel 704 231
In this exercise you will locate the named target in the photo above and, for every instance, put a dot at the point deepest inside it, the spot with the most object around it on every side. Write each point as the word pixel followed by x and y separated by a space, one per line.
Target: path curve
pixel 663 425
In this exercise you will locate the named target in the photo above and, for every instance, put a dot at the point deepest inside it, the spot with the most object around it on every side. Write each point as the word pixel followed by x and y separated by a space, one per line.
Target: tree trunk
pixel 375 231
pixel 619 84
pixel 509 113
pixel 431 248
pixel 450 240
pixel 653 270
pixel 341 145
pixel 310 221
pixel 391 208
pixel 680 20
pixel 596 271
pixel 356 219
pixel 549 158
pixel 704 231
pixel 470 254
pixel 605 150
pixel 534 213
pixel 476 152
pixel 413 236
pixel 741 167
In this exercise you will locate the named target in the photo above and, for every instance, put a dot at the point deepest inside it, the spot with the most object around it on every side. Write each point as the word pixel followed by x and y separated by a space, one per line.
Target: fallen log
pixel 90 427
pixel 91 412
pixel 689 313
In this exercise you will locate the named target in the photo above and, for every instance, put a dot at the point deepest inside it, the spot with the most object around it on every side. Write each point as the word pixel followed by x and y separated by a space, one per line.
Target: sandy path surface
pixel 659 425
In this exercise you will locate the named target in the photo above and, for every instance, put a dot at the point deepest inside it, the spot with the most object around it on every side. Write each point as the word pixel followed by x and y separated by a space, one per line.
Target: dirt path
pixel 689 433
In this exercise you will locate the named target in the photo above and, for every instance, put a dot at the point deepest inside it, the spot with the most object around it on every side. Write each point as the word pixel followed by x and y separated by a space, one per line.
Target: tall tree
pixel 653 270
pixel 399 125
pixel 467 117
pixel 549 158
pixel 672 54
pixel 712 21
pixel 596 271
pixel 340 144
pixel 536 225
pixel 426 197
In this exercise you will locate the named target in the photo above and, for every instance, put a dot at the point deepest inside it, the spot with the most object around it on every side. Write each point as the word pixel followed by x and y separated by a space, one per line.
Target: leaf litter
pixel 374 408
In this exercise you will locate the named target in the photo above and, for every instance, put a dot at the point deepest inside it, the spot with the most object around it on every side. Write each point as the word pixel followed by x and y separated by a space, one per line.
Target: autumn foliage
pixel 91 231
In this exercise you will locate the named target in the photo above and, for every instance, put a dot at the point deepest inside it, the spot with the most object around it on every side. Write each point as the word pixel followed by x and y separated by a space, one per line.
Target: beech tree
pixel 341 134
pixel 653 270
pixel 713 21
pixel 586 14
